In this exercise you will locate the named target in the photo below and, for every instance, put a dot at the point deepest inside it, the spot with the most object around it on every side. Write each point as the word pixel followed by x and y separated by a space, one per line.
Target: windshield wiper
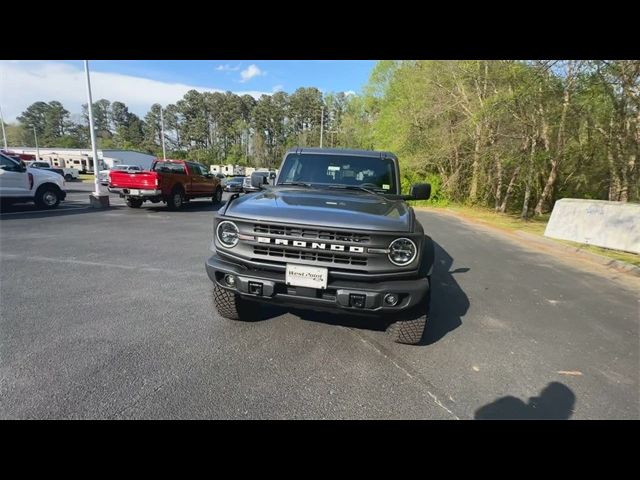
pixel 356 187
pixel 296 184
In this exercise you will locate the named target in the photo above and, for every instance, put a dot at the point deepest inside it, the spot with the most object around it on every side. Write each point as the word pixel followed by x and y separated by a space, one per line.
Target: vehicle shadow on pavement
pixel 191 206
pixel 24 211
pixel 449 304
pixel 555 402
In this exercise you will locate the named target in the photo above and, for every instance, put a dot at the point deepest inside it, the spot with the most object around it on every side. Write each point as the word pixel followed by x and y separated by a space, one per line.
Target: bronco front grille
pixel 316 256
pixel 311 234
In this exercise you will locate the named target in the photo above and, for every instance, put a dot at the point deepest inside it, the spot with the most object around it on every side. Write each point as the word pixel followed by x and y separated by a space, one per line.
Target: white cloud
pixel 250 72
pixel 277 88
pixel 25 82
pixel 349 92
pixel 227 68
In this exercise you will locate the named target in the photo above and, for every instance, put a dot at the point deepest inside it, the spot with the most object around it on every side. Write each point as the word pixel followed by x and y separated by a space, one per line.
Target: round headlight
pixel 402 251
pixel 228 234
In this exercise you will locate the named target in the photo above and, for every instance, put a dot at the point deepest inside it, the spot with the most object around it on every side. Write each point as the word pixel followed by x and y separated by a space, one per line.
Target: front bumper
pixel 339 295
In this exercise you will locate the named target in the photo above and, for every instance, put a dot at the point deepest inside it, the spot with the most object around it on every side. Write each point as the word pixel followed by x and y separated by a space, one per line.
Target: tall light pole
pixel 4 134
pixel 35 135
pixel 321 126
pixel 98 198
pixel 164 152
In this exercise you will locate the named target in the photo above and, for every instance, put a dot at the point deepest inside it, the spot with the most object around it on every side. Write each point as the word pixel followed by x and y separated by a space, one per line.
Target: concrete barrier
pixel 614 225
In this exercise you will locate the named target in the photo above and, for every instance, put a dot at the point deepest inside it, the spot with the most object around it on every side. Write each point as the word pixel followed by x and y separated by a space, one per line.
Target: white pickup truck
pixel 68 173
pixel 21 184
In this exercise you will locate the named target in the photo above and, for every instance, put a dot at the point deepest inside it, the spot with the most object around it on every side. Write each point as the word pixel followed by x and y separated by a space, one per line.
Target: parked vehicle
pixel 103 175
pixel 68 173
pixel 21 184
pixel 333 233
pixel 171 181
pixel 235 184
pixel 223 179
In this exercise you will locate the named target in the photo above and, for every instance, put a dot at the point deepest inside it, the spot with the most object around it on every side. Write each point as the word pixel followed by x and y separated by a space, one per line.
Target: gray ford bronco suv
pixel 332 233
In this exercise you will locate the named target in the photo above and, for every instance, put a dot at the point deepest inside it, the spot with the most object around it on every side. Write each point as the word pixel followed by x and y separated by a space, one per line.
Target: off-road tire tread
pixel 408 331
pixel 230 305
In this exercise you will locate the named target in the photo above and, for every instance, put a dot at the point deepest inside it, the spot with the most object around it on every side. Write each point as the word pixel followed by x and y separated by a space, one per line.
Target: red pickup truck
pixel 171 181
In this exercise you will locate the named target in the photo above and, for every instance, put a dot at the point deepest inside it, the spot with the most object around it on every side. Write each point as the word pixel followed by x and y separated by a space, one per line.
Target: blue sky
pixel 140 83
pixel 328 75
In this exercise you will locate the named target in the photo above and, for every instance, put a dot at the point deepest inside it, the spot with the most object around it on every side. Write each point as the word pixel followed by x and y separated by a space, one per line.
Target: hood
pixel 45 173
pixel 324 207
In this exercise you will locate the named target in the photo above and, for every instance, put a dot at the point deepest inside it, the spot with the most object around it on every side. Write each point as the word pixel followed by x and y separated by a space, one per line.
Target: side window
pixel 294 167
pixel 196 168
pixel 7 164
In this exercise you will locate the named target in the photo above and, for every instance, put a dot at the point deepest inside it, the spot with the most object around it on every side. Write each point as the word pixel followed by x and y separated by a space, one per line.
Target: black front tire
pixel 68 177
pixel 230 305
pixel 134 202
pixel 47 196
pixel 409 328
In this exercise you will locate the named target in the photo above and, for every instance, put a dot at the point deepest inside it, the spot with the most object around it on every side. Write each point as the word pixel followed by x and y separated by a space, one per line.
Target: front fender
pixel 428 257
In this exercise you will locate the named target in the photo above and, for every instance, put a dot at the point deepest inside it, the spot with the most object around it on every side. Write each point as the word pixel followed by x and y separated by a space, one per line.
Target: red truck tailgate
pixel 141 180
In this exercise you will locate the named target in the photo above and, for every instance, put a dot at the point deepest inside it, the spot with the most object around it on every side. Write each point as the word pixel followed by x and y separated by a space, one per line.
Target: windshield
pixel 339 170
pixel 236 180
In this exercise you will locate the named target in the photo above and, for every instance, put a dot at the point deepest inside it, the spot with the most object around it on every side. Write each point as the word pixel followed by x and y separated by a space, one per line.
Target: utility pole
pixel 321 126
pixel 97 199
pixel 164 152
pixel 4 134
pixel 35 135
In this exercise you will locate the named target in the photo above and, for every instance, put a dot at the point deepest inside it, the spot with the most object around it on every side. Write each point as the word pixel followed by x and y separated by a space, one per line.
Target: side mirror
pixel 257 181
pixel 420 191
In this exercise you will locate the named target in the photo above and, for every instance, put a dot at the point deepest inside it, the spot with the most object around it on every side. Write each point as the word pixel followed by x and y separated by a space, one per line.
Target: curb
pixel 609 263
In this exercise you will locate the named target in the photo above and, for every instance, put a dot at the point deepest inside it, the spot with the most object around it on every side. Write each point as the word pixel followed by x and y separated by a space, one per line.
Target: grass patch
pixel 631 258
pixel 86 177
pixel 535 226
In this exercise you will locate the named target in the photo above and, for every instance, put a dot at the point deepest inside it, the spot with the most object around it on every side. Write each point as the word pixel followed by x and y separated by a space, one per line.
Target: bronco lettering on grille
pixel 313 245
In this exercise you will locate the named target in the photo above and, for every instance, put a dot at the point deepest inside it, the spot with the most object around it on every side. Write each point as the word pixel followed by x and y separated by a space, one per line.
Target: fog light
pixel 230 280
pixel 391 299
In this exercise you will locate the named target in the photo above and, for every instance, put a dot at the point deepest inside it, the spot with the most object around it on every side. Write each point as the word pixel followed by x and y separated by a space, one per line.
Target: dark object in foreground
pixel 555 402
pixel 333 233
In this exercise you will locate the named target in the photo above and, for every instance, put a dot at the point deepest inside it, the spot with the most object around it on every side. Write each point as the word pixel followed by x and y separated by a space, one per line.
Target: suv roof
pixel 342 151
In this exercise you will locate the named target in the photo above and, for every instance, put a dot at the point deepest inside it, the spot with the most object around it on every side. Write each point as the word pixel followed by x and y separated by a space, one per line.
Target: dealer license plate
pixel 306 276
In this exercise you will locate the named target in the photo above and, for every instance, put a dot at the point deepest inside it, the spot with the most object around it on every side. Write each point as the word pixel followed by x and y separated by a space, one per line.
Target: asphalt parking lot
pixel 108 314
